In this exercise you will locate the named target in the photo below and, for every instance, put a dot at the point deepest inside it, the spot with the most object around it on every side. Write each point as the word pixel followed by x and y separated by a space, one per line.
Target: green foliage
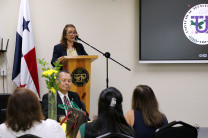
pixel 50 74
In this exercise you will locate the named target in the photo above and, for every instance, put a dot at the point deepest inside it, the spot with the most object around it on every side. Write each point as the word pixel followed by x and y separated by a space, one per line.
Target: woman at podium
pixel 68 45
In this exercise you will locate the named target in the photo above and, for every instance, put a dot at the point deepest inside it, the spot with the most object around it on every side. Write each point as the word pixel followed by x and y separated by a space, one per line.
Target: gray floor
pixel 203 132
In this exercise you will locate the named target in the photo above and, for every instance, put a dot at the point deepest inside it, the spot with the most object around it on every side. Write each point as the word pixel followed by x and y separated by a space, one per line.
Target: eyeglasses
pixel 71 33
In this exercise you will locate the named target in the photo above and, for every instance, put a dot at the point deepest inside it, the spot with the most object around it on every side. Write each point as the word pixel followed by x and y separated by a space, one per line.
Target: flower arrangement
pixel 52 85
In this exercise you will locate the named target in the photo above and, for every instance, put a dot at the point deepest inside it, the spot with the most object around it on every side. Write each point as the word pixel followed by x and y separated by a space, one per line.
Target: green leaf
pixel 50 80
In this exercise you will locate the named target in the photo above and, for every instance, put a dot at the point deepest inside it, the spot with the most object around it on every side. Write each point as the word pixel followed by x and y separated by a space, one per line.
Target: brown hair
pixel 63 41
pixel 23 109
pixel 144 100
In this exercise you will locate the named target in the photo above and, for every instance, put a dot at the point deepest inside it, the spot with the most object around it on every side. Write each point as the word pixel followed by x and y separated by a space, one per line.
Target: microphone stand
pixel 107 55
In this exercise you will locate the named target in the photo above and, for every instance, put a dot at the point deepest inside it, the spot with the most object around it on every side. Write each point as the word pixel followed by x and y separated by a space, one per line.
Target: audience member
pixel 64 96
pixel 145 116
pixel 24 116
pixel 110 116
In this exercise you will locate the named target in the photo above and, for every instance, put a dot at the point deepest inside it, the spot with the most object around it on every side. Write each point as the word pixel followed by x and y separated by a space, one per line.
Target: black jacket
pixel 73 96
pixel 58 52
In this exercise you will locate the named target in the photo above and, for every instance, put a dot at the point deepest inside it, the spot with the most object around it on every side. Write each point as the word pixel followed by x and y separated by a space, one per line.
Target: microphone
pixel 77 37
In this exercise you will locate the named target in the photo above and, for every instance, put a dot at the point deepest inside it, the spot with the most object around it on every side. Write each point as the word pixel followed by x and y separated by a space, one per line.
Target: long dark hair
pixel 23 109
pixel 110 114
pixel 63 41
pixel 144 100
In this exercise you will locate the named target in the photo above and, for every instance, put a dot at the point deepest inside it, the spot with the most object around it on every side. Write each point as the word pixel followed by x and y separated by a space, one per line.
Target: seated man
pixel 64 96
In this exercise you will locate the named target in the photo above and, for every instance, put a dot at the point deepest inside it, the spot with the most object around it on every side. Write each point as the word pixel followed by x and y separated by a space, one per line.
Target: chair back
pixel 114 135
pixel 4 97
pixel 28 136
pixel 176 129
pixel 3 105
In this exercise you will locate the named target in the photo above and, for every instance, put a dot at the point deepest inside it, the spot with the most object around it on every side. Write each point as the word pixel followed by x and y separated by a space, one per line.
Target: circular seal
pixel 80 77
pixel 195 24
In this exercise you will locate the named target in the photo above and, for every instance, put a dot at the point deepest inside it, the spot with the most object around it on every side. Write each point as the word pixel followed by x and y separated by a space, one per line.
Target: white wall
pixel 111 26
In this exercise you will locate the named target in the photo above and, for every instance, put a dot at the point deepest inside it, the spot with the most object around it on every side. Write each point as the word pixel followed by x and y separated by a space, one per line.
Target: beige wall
pixel 111 26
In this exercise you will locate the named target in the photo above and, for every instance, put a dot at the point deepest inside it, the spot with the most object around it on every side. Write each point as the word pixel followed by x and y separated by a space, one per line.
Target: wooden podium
pixel 80 69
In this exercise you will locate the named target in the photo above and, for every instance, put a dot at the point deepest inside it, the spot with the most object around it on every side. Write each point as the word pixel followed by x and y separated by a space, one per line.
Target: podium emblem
pixel 80 77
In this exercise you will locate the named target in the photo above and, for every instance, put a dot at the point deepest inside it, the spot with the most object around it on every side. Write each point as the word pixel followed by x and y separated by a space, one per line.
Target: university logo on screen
pixel 195 24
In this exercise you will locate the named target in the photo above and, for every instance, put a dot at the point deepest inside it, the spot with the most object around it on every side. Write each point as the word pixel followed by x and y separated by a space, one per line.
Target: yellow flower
pixel 50 72
pixel 45 73
pixel 55 71
pixel 53 90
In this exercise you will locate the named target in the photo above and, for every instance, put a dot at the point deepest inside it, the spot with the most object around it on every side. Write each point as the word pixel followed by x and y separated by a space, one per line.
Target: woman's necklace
pixel 71 49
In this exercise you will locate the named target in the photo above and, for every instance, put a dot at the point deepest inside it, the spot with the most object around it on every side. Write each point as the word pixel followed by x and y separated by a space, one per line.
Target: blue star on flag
pixel 25 24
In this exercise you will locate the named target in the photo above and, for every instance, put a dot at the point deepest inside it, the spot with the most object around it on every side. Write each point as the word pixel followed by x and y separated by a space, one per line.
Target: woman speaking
pixel 68 45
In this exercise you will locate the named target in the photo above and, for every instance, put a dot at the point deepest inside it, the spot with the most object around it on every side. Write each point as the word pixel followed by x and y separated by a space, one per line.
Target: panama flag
pixel 25 72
